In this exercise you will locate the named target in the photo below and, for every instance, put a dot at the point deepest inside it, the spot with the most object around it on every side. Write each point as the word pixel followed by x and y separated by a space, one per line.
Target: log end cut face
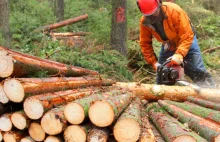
pixel 33 108
pixel 51 124
pixel 5 123
pixel 27 139
pixel 52 139
pixel 101 114
pixel 19 121
pixel 74 113
pixel 14 90
pixel 74 133
pixel 3 98
pixel 9 137
pixel 217 139
pixel 36 132
pixel 185 138
pixel 6 64
pixel 127 130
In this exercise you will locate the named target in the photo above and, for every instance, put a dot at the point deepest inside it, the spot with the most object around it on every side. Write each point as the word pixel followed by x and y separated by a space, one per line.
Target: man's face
pixel 155 15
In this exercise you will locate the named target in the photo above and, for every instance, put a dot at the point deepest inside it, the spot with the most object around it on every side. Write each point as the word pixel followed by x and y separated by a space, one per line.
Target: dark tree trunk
pixel 4 22
pixel 59 9
pixel 119 26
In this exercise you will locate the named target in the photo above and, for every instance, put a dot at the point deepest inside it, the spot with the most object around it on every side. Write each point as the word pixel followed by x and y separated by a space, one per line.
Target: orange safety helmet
pixel 148 7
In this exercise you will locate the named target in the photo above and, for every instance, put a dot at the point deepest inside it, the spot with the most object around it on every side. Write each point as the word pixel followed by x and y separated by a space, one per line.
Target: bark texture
pixel 157 135
pixel 205 128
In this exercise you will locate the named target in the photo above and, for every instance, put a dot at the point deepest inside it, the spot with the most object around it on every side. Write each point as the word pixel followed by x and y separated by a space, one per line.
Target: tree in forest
pixel 4 22
pixel 59 9
pixel 119 26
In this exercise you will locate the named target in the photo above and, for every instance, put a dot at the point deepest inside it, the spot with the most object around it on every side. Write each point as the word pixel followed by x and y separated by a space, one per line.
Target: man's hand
pixel 156 65
pixel 176 60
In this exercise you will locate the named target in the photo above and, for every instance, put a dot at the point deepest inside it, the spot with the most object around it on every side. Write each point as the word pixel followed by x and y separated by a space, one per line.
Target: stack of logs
pixel 84 107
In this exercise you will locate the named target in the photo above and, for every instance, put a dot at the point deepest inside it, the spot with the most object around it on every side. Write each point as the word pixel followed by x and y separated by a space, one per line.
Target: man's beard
pixel 149 20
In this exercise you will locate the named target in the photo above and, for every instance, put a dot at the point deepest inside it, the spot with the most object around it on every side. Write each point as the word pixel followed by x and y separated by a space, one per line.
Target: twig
pixel 51 54
pixel 210 49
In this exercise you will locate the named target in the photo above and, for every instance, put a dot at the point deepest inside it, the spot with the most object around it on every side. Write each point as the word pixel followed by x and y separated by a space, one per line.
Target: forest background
pixel 96 52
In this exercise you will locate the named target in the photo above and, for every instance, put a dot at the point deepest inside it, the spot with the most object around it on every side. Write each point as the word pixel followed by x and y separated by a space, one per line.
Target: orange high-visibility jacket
pixel 177 28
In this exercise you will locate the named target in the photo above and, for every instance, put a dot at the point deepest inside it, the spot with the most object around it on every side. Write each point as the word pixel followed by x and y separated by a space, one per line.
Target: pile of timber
pixel 84 107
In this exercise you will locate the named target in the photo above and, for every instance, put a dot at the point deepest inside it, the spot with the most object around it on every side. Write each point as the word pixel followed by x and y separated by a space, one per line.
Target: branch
pixel 210 49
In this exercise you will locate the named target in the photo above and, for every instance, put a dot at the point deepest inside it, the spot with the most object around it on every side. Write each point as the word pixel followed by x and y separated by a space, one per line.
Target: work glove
pixel 156 65
pixel 175 60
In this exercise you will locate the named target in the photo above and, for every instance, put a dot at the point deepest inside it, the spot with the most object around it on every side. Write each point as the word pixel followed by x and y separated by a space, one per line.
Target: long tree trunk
pixel 170 128
pixel 20 120
pixel 128 125
pixel 36 131
pixel 17 89
pixel 206 113
pixel 205 128
pixel 104 112
pixel 157 135
pixel 119 26
pixel 54 122
pixel 163 92
pixel 16 64
pixel 204 103
pixel 76 112
pixel 68 34
pixel 62 23
pixel 76 133
pixel 27 139
pixel 13 136
pixel 4 22
pixel 36 106
pixel 98 135
pixel 59 9
pixel 5 122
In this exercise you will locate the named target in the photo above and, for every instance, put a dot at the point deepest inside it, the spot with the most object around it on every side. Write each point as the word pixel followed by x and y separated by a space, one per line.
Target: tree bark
pixel 119 26
pixel 17 89
pixel 111 108
pixel 205 128
pixel 36 106
pixel 76 112
pixel 59 10
pixel 36 131
pixel 27 139
pixel 62 23
pixel 204 103
pixel 16 64
pixel 76 133
pixel 127 127
pixel 206 113
pixel 98 135
pixel 5 122
pixel 163 92
pixel 54 122
pixel 157 135
pixel 4 22
pixel 13 136
pixel 20 120
pixel 53 139
pixel 68 34
pixel 170 128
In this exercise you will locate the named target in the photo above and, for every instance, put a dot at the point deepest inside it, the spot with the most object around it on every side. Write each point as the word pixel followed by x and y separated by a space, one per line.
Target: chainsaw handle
pixel 168 61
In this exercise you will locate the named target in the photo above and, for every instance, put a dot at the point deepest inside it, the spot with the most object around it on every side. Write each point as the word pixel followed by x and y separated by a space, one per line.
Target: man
pixel 170 25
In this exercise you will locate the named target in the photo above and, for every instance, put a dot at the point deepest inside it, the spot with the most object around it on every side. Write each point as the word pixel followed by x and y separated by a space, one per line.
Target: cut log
pixel 62 23
pixel 205 103
pixel 76 133
pixel 36 106
pixel 175 93
pixel 128 125
pixel 36 131
pixel 5 122
pixel 147 134
pixel 27 139
pixel 1 138
pixel 170 128
pixel 53 139
pixel 206 113
pixel 17 89
pixel 69 34
pixel 20 120
pixel 76 112
pixel 3 98
pixel 205 128
pixel 54 122
pixel 104 112
pixel 13 136
pixel 98 135
pixel 157 135
pixel 16 64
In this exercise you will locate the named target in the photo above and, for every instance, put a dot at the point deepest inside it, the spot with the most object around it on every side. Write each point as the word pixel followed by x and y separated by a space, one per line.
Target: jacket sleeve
pixel 185 33
pixel 146 44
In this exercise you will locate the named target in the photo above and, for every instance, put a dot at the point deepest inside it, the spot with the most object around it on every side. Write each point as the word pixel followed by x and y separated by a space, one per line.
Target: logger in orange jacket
pixel 170 25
